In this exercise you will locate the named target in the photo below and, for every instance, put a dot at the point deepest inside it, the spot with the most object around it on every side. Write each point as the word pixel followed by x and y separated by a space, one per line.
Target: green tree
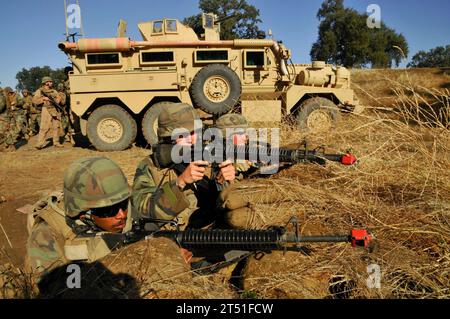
pixel 243 23
pixel 345 39
pixel 382 51
pixel 31 78
pixel 434 58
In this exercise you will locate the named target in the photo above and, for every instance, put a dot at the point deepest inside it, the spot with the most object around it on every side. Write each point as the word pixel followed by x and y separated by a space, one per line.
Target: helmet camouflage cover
pixel 46 79
pixel 93 183
pixel 7 90
pixel 232 121
pixel 177 115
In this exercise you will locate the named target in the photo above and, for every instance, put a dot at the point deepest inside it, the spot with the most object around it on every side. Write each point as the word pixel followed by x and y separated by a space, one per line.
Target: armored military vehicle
pixel 119 86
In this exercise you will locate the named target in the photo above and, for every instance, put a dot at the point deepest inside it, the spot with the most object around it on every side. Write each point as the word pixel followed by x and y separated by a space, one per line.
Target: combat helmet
pixel 46 79
pixel 93 182
pixel 232 121
pixel 7 90
pixel 177 115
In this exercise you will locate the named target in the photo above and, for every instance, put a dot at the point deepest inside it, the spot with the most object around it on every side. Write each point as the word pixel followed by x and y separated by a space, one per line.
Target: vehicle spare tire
pixel 110 128
pixel 216 89
pixel 318 114
pixel 150 122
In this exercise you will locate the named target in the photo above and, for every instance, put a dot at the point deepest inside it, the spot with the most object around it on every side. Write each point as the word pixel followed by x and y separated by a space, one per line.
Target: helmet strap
pixel 78 229
pixel 87 224
pixel 89 221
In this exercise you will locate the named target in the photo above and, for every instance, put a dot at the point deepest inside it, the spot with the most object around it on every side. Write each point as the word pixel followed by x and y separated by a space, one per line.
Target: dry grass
pixel 400 189
pixel 374 87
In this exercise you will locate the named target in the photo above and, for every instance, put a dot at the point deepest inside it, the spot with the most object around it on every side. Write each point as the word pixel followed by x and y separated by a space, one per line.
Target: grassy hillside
pixel 375 87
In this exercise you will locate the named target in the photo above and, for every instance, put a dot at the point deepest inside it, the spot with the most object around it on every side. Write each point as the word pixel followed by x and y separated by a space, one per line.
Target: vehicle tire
pixel 111 128
pixel 150 122
pixel 216 89
pixel 318 114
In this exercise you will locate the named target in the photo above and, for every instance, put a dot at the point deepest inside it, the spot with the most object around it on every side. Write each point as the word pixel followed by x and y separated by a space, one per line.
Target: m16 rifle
pixel 53 102
pixel 63 112
pixel 215 153
pixel 234 244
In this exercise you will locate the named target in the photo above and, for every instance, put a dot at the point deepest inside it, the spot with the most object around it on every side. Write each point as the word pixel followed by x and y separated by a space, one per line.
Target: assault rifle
pixel 53 102
pixel 260 153
pixel 233 244
pixel 64 112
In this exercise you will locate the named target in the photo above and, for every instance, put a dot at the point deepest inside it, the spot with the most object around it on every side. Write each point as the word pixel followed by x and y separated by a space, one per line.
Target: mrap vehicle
pixel 119 86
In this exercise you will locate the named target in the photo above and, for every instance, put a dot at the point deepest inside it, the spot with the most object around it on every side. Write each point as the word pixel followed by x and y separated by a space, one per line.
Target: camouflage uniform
pixel 33 114
pixel 2 102
pixel 65 124
pixel 155 193
pixel 27 100
pixel 18 111
pixel 50 117
pixel 239 199
pixel 35 119
pixel 9 131
pixel 4 122
pixel 63 230
pixel 54 224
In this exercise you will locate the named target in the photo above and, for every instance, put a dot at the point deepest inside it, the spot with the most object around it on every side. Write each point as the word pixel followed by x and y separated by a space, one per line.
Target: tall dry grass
pixel 400 189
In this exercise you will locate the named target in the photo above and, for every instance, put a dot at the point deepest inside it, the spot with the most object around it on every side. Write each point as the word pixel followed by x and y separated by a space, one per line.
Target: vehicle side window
pixel 103 58
pixel 205 56
pixel 157 27
pixel 158 57
pixel 171 26
pixel 255 59
pixel 209 22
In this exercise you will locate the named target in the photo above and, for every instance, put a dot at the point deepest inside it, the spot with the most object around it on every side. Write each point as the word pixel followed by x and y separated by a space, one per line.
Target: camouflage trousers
pixel 49 123
pixel 34 123
pixel 21 121
pixel 64 123
pixel 9 133
pixel 67 130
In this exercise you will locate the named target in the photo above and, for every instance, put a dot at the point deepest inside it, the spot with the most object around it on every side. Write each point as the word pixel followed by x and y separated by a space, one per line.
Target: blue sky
pixel 31 29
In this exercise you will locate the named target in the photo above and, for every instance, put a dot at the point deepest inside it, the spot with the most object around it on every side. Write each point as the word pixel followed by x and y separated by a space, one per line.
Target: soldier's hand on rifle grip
pixel 227 172
pixel 193 173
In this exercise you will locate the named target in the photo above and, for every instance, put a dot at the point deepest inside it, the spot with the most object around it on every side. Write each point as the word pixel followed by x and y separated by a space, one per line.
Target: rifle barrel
pixel 333 157
pixel 250 240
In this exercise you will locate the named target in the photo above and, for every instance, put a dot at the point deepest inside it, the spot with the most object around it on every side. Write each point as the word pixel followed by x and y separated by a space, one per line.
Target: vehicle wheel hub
pixel 216 89
pixel 319 121
pixel 110 130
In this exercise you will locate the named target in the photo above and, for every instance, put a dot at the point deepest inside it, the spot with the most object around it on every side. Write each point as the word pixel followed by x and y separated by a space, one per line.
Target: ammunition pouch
pixel 171 199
